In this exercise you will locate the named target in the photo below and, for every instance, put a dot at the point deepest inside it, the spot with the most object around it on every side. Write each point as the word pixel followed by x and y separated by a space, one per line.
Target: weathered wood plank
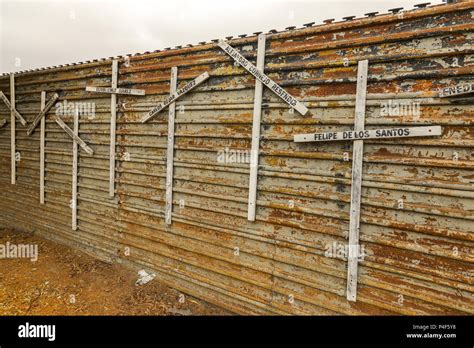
pixel 170 149
pixel 257 114
pixel 42 141
pixel 404 132
pixel 2 123
pixel 74 172
pixel 112 90
pixel 179 93
pixel 17 114
pixel 113 129
pixel 43 112
pixel 356 185
pixel 272 85
pixel 12 129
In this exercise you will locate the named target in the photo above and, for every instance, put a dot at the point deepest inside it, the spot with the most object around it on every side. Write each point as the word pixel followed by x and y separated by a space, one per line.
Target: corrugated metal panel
pixel 419 257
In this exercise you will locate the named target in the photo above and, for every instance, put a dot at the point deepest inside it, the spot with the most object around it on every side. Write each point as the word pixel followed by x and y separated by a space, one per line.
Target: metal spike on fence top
pixel 348 18
pixel 242 35
pixel 308 25
pixel 371 14
pixel 395 10
pixel 329 21
pixel 422 5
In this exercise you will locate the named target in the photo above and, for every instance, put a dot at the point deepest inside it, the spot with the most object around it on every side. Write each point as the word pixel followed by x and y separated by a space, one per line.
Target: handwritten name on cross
pixel 358 135
pixel 113 91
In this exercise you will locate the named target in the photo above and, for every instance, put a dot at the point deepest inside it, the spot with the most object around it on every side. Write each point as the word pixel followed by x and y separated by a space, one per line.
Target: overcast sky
pixel 43 33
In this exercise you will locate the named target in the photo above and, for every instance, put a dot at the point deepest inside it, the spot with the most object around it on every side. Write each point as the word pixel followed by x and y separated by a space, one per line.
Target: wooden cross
pixel 171 102
pixel 16 113
pixel 60 123
pixel 75 164
pixel 42 143
pixel 113 91
pixel 261 79
pixel 358 135
pixel 74 134
pixel 13 114
pixel 170 149
pixel 258 74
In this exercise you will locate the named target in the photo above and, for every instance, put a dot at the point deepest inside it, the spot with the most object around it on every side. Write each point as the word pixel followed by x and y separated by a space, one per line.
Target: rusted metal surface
pixel 417 202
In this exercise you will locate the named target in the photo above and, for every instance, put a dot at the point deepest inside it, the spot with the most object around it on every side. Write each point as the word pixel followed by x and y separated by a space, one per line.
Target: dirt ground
pixel 64 281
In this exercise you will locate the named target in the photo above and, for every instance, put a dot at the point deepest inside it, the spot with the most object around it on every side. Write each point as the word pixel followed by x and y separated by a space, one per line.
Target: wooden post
pixel 257 115
pixel 356 186
pixel 12 129
pixel 113 124
pixel 42 141
pixel 170 148
pixel 74 171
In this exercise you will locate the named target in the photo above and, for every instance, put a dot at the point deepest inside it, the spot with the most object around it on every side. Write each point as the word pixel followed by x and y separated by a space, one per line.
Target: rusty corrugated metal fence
pixel 417 193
